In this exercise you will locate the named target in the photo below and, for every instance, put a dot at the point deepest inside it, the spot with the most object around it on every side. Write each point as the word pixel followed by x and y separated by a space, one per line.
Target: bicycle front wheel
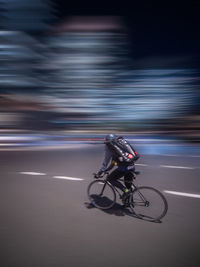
pixel 148 203
pixel 101 194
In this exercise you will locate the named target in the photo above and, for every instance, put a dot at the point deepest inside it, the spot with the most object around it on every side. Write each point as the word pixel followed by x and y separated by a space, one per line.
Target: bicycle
pixel 144 202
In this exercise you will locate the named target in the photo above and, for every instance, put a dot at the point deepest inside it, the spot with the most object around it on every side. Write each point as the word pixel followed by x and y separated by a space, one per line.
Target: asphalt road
pixel 46 220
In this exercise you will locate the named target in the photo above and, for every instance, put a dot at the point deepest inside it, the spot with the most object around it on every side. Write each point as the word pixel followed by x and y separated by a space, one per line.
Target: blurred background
pixel 78 69
pixel 70 73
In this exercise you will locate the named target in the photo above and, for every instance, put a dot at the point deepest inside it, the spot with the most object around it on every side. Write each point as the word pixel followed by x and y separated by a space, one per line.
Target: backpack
pixel 123 151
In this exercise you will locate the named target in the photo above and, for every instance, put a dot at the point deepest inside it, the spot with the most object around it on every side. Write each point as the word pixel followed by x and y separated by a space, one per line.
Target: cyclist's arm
pixel 106 161
pixel 112 164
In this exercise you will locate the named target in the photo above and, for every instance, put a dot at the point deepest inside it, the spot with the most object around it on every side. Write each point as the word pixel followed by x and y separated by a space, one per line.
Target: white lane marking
pixel 141 164
pixel 182 194
pixel 68 178
pixel 33 173
pixel 56 177
pixel 176 167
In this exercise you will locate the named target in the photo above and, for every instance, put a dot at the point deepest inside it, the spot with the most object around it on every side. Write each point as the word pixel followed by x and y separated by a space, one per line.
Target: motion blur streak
pixel 79 75
pixel 182 194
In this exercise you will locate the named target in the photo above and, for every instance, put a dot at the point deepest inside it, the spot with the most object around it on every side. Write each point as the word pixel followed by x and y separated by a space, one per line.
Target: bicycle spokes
pixel 149 203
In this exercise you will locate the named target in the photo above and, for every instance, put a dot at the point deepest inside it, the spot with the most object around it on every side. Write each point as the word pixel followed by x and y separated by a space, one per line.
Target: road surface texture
pixel 46 219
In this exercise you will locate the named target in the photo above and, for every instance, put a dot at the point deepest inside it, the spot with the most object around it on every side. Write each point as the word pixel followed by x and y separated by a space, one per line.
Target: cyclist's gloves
pixel 98 174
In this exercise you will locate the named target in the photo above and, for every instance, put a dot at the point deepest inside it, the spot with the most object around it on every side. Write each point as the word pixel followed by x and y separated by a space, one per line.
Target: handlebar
pixel 100 176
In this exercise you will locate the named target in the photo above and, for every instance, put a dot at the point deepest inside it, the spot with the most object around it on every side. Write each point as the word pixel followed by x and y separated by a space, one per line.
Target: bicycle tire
pixel 148 203
pixel 101 194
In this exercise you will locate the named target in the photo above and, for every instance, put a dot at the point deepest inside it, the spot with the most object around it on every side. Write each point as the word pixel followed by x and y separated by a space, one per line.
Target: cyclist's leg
pixel 113 179
pixel 128 179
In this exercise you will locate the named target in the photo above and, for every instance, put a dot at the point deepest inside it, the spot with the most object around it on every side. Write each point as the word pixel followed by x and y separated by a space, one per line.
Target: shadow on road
pixel 119 210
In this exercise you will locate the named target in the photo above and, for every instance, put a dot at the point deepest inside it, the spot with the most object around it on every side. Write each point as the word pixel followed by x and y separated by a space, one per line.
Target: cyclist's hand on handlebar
pixel 98 174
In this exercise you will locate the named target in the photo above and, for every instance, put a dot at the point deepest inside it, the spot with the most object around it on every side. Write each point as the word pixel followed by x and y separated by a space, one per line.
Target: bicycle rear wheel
pixel 101 194
pixel 148 203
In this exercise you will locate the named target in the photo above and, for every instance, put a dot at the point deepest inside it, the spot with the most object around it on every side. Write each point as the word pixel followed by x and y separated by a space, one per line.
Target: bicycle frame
pixel 134 187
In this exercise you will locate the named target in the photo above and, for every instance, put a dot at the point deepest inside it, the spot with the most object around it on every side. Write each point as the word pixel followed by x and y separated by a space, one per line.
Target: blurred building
pixel 86 55
pixel 27 16
pixel 21 22
pixel 21 52
pixel 19 56
pixel 92 83
pixel 156 97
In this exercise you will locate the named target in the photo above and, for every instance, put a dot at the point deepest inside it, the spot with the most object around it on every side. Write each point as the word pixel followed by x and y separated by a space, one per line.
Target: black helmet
pixel 109 138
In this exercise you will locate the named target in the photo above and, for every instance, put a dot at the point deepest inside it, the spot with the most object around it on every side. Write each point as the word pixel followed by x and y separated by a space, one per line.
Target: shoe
pixel 125 197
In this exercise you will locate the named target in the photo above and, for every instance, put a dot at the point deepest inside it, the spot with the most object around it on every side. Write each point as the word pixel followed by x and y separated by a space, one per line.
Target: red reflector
pixel 130 156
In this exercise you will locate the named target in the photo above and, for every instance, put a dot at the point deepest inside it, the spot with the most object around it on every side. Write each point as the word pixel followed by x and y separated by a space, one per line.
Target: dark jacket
pixel 110 157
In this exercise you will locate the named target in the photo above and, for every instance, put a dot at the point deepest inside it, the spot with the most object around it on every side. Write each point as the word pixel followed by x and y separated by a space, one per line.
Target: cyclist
pixel 123 169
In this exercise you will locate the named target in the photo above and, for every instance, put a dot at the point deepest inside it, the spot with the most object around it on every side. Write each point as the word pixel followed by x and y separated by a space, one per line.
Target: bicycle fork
pixel 103 189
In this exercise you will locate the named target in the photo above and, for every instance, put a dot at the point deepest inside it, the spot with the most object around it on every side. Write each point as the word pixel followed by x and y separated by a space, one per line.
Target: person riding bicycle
pixel 124 169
